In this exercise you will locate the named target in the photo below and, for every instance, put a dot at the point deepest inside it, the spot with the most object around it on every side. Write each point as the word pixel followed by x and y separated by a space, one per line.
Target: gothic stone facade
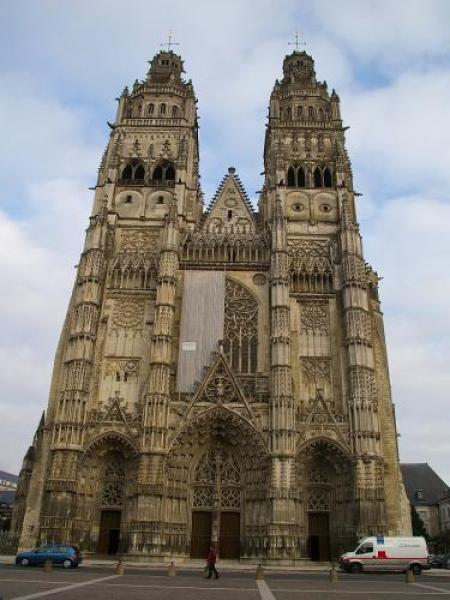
pixel 221 374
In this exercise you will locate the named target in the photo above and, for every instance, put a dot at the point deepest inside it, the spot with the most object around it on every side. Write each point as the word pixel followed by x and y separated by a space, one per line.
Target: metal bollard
pixel 259 572
pixel 120 568
pixel 333 574
pixel 171 571
pixel 48 566
pixel 410 577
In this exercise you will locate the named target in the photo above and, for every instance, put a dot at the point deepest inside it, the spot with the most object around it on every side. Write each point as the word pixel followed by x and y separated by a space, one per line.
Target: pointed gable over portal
pixel 230 210
pixel 220 387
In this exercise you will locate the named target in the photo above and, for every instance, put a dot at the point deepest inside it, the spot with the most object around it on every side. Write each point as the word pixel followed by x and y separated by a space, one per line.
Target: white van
pixel 387 553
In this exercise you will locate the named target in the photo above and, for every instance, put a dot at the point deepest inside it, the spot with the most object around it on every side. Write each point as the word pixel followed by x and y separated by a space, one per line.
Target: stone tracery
pixel 310 266
pixel 241 328
pixel 113 484
pixel 217 481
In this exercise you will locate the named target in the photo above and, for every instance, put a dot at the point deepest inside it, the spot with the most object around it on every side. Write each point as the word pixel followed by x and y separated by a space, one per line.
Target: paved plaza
pixel 101 583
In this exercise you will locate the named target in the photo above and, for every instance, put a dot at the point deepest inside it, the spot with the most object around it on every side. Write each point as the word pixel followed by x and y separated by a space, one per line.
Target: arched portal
pixel 111 498
pixel 217 473
pixel 104 498
pixel 325 478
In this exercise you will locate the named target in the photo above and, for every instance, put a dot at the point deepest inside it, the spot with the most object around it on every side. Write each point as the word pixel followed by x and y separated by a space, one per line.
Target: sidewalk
pixel 227 565
pixel 190 565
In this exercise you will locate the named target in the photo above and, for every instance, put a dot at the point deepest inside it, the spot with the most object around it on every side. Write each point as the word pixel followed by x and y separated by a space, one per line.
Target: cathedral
pixel 221 375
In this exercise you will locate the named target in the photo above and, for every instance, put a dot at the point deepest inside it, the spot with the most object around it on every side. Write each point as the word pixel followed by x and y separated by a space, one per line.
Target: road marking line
pixel 63 589
pixel 385 593
pixel 432 587
pixel 344 581
pixel 179 587
pixel 15 580
pixel 264 590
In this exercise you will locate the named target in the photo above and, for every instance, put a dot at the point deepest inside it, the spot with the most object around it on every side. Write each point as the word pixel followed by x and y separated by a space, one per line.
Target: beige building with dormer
pixel 222 374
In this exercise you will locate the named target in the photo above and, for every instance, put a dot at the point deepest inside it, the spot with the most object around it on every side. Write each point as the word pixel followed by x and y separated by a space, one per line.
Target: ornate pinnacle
pixel 278 214
pixel 347 217
pixel 103 214
pixel 173 212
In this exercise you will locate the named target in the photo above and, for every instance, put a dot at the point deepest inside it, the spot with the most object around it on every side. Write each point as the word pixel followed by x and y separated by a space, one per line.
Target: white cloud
pixel 42 137
pixel 389 36
pixel 408 241
pixel 35 284
pixel 399 133
pixel 45 162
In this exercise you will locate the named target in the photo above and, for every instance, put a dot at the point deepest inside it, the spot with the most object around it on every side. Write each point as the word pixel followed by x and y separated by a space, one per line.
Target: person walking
pixel 211 561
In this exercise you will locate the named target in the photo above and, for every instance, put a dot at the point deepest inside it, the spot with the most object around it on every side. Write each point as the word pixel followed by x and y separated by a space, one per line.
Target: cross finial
pixel 296 43
pixel 169 42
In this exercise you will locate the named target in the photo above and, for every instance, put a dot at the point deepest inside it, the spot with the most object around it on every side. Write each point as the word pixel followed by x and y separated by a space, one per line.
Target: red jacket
pixel 212 556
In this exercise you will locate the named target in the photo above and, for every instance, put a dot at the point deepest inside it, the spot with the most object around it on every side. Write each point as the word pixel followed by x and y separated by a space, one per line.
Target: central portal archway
pixel 216 504
pixel 217 465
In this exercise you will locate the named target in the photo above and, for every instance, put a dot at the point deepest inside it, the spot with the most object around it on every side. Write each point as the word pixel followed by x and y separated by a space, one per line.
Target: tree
pixel 441 543
pixel 418 528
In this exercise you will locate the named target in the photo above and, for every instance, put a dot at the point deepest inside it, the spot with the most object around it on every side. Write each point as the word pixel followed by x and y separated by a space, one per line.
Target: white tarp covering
pixel 202 320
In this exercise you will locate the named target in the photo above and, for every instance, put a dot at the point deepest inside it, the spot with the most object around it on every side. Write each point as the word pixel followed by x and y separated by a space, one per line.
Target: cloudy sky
pixel 63 63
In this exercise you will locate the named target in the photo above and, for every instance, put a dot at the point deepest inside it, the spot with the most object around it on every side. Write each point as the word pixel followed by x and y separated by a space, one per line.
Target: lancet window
pixel 322 178
pixel 296 177
pixel 291 177
pixel 164 172
pixel 241 328
pixel 133 172
pixel 318 178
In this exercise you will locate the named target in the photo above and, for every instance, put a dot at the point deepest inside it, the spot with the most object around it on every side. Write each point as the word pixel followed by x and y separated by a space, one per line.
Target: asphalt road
pixel 98 583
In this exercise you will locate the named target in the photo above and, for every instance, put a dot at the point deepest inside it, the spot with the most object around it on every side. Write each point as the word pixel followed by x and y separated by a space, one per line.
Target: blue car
pixel 59 554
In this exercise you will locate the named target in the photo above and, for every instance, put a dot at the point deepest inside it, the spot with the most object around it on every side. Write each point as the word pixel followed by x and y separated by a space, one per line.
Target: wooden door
pixel 319 536
pixel 201 534
pixel 108 540
pixel 230 535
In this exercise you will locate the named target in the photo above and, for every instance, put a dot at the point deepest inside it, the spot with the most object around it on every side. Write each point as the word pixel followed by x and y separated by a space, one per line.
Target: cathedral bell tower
pixel 326 317
pixel 116 346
